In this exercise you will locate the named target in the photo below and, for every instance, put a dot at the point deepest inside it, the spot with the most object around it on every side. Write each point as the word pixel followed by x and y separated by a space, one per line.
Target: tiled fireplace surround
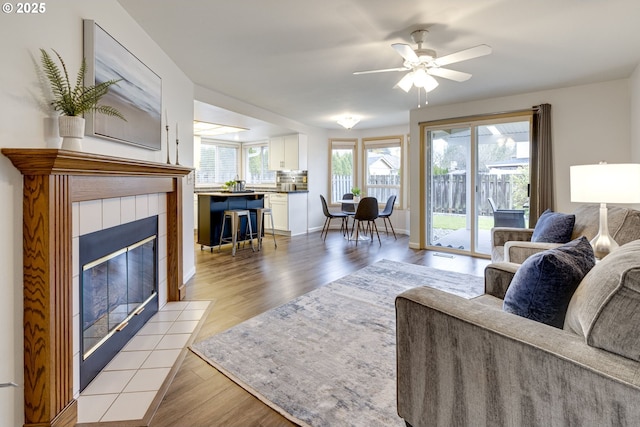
pixel 95 215
pixel 67 194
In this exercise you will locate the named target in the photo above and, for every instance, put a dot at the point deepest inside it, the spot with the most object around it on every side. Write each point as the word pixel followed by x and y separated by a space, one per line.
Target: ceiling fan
pixel 423 63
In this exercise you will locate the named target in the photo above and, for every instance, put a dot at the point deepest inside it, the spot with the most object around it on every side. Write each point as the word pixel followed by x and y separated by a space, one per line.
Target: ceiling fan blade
pixel 381 71
pixel 463 55
pixel 406 82
pixel 406 52
pixel 457 76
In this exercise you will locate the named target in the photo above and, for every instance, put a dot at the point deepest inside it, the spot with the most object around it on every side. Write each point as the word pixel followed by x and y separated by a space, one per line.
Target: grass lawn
pixel 457 221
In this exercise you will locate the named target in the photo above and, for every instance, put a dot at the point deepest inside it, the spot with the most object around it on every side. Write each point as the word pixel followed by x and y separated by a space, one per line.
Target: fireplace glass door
pixel 115 288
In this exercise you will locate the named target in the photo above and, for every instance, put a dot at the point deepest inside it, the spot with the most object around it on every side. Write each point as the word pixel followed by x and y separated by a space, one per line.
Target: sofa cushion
pixel 553 227
pixel 605 308
pixel 624 223
pixel 543 285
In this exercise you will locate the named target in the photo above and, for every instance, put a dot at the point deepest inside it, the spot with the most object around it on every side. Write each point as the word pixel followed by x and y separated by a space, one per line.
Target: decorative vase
pixel 356 199
pixel 71 129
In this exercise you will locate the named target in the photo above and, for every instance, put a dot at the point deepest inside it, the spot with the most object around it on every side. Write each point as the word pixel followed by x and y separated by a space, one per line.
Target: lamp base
pixel 603 243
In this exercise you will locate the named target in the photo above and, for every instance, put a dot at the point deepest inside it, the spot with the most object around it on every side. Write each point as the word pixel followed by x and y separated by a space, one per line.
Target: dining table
pixel 349 235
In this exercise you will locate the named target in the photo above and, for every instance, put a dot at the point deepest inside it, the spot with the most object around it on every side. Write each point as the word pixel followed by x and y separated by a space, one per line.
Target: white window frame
pixel 217 143
pixel 342 144
pixel 245 162
pixel 382 142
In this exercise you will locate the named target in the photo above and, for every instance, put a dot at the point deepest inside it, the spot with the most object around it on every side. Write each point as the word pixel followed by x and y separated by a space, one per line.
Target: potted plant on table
pixel 356 193
pixel 73 101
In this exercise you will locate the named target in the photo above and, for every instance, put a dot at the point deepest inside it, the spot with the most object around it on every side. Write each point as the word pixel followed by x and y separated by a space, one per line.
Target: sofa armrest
pixel 460 362
pixel 518 252
pixel 502 235
pixel 497 278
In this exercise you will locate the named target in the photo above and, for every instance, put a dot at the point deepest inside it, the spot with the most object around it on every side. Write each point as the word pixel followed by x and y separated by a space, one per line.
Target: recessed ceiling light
pixel 212 129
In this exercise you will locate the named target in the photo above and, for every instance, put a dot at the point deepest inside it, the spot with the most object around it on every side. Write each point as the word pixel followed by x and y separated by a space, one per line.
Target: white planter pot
pixel 71 129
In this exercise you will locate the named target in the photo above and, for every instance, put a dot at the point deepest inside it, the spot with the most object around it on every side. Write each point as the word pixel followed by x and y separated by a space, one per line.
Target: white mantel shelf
pixel 53 180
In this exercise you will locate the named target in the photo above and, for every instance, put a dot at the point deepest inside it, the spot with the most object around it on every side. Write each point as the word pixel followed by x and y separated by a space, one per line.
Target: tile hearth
pixel 128 385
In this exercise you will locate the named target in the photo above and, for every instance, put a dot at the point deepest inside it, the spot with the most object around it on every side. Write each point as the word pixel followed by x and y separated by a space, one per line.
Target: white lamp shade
pixel 605 183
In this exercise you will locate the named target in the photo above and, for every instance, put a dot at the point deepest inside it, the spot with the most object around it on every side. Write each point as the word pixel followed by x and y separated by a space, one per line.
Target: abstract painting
pixel 138 96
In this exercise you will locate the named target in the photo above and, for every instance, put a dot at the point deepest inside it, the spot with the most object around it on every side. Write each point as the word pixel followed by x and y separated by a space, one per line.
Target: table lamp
pixel 605 183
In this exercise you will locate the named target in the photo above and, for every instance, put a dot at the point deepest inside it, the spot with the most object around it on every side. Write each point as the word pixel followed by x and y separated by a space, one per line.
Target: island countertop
pixel 232 194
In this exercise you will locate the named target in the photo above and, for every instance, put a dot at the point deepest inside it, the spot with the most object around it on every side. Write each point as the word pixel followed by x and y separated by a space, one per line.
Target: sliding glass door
pixel 471 166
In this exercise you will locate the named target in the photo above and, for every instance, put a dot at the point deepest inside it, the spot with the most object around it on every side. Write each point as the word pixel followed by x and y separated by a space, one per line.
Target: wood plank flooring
pixel 251 283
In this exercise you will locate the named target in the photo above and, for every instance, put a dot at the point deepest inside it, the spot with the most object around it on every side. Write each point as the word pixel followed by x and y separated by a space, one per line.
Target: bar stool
pixel 235 218
pixel 260 213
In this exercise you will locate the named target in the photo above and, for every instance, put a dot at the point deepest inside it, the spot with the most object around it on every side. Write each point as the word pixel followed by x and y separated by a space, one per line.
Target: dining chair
pixel 386 214
pixel 331 215
pixel 367 211
pixel 348 208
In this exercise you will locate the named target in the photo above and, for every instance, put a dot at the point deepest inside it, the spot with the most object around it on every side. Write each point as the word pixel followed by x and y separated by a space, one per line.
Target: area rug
pixel 328 358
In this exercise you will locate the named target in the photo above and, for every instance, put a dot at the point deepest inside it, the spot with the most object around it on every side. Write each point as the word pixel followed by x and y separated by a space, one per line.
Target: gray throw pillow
pixel 543 285
pixel 553 227
pixel 605 308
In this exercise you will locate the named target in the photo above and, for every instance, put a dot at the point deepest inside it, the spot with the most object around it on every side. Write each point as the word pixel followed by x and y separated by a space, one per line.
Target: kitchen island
pixel 211 207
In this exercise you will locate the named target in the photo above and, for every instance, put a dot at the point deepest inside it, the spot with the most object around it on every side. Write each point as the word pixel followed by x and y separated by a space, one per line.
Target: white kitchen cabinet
pixel 280 211
pixel 288 152
pixel 289 212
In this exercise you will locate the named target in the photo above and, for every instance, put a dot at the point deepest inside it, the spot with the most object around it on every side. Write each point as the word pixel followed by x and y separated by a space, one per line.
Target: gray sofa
pixel 469 363
pixel 514 244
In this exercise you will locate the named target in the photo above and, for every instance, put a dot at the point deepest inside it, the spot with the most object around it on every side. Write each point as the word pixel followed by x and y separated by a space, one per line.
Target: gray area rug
pixel 328 357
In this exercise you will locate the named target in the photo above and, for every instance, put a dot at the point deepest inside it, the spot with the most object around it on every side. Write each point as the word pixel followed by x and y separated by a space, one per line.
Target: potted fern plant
pixel 72 101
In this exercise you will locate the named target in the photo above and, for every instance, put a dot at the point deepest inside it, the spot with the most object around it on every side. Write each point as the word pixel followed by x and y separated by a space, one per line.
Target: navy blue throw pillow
pixel 543 285
pixel 553 227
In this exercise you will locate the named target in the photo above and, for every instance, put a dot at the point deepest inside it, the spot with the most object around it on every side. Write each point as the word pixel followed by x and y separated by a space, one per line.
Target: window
pixel 382 174
pixel 256 161
pixel 342 164
pixel 219 162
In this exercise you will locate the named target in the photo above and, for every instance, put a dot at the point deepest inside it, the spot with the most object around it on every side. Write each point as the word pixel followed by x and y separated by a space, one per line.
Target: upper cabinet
pixel 288 152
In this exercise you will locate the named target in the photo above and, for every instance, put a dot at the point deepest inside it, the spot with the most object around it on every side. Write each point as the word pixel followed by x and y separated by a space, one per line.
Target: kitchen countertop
pixel 230 194
pixel 260 191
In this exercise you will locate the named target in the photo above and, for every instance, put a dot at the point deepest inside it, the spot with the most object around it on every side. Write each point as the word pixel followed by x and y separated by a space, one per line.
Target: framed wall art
pixel 138 96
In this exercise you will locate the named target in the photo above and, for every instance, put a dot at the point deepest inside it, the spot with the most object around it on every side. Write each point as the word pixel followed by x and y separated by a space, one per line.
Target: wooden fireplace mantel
pixel 53 180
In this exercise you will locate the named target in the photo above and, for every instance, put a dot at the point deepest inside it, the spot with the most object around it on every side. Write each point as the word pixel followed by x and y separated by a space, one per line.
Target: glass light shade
pixel 348 121
pixel 406 82
pixel 605 183
pixel 422 79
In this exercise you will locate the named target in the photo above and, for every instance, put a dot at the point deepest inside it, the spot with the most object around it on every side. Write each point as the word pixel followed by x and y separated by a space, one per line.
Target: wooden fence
pixel 450 193
pixel 380 186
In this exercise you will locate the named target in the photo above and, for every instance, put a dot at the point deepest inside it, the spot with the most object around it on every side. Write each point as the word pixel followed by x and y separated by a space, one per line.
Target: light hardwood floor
pixel 251 283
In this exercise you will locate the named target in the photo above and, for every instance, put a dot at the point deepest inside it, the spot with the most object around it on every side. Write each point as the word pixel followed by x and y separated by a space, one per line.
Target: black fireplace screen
pixel 115 288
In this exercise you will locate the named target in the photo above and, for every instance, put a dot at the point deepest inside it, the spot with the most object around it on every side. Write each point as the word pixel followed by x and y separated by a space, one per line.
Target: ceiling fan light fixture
pixel 422 79
pixel 348 122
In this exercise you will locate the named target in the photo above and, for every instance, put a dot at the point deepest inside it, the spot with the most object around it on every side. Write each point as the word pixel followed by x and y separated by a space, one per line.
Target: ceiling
pixel 296 58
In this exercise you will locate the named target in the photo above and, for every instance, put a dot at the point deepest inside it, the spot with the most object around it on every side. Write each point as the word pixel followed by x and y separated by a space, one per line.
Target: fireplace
pixel 52 181
pixel 118 290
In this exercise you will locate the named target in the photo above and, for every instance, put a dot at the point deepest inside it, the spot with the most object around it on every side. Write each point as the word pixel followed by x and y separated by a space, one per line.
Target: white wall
pixel 589 123
pixel 634 83
pixel 26 122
